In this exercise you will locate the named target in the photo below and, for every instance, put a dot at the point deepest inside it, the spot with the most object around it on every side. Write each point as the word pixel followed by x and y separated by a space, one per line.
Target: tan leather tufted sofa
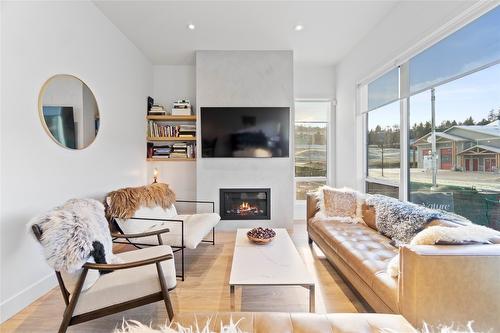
pixel 442 284
pixel 274 322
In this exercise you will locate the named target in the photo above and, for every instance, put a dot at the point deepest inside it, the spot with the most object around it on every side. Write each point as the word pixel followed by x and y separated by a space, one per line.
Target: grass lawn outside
pixel 475 195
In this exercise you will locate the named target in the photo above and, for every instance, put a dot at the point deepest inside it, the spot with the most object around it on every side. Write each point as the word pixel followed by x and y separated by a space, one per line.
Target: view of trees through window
pixel 311 143
pixel 384 153
pixel 460 172
pixel 310 149
pixel 450 94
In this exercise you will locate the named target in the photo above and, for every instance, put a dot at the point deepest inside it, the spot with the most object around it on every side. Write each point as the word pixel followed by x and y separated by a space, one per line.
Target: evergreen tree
pixel 492 115
pixel 469 121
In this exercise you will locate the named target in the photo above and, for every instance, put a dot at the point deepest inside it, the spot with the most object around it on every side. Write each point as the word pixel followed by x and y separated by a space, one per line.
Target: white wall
pixel 407 24
pixel 246 78
pixel 316 82
pixel 38 40
pixel 171 83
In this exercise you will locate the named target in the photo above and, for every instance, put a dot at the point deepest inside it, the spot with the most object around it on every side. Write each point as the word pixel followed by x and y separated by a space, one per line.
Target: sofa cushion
pixel 196 226
pixel 128 284
pixel 366 251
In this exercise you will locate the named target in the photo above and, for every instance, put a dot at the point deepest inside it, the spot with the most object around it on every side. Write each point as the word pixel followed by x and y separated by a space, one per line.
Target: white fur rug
pixel 132 326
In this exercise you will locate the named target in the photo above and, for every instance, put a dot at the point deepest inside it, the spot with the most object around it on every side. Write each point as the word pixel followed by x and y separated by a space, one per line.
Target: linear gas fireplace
pixel 245 203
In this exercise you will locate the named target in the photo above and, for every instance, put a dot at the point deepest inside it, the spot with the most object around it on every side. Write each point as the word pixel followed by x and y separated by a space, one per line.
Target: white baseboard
pixel 25 297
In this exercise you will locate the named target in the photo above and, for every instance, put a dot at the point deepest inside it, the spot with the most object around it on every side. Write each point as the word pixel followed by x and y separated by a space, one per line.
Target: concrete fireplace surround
pixel 251 79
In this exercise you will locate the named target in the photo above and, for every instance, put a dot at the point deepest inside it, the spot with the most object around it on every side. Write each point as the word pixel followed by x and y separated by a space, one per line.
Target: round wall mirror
pixel 68 111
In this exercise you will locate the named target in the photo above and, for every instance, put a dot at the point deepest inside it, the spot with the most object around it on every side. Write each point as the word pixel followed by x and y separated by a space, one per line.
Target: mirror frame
pixel 41 94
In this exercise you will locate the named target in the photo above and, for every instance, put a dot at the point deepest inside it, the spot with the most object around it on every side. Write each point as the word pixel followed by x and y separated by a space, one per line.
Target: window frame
pixel 402 61
pixel 329 151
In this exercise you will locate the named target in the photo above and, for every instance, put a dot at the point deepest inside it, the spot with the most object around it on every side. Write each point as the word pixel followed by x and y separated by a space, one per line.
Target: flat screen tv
pixel 245 131
pixel 61 124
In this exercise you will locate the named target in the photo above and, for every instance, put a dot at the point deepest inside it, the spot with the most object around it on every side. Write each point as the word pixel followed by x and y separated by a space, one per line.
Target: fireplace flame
pixel 245 206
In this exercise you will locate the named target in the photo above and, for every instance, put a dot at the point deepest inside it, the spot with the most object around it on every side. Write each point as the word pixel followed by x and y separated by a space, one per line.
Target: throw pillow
pixel 339 204
pixel 369 216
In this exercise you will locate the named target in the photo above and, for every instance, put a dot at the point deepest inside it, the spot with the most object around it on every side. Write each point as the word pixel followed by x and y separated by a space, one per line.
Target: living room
pixel 250 166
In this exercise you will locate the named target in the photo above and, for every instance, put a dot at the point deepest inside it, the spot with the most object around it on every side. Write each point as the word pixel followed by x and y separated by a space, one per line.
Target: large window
pixel 448 97
pixel 384 154
pixel 454 160
pixel 311 146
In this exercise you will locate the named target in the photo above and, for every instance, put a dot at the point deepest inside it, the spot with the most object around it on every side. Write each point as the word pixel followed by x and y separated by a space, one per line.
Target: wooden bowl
pixel 260 241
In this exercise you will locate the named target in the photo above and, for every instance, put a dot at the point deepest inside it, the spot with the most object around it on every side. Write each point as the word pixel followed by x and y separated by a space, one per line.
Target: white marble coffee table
pixel 274 264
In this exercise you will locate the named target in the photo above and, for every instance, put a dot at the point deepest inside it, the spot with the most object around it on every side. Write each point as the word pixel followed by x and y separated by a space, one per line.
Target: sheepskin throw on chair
pixel 123 203
pixel 73 234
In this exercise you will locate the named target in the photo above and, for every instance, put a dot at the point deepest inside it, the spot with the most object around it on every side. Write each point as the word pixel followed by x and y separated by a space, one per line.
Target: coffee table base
pixel 312 294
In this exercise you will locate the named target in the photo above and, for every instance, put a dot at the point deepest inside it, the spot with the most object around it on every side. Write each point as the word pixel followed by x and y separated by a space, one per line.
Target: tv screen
pixel 60 122
pixel 245 132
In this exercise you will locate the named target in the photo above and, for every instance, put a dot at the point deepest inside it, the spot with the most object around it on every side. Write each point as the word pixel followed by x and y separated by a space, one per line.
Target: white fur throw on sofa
pixel 342 204
pixel 467 234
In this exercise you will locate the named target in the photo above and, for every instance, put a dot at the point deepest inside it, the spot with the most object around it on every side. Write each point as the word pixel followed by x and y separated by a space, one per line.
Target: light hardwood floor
pixel 206 289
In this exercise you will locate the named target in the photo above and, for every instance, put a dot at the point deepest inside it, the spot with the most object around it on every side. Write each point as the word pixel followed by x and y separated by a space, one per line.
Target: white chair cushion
pixel 128 284
pixel 138 226
pixel 196 227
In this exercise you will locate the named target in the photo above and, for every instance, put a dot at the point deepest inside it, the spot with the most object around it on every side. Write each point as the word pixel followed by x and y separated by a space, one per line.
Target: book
pixel 181 112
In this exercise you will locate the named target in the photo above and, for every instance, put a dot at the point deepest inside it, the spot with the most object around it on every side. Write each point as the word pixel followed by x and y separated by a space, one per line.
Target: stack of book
pixel 182 150
pixel 181 108
pixel 157 130
pixel 179 150
pixel 157 109
pixel 162 151
pixel 187 131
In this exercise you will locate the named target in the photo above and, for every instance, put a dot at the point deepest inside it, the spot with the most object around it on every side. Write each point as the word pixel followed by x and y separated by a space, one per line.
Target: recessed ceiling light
pixel 298 27
pixel 191 26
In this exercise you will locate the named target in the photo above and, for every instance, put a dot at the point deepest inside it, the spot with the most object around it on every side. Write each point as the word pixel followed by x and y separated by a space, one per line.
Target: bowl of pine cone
pixel 261 235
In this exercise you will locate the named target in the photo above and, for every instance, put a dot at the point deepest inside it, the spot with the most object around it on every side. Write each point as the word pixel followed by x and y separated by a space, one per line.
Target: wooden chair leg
pixel 68 313
pixel 164 290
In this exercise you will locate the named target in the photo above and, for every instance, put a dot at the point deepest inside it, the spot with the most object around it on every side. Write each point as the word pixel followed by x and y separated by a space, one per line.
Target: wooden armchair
pixel 127 285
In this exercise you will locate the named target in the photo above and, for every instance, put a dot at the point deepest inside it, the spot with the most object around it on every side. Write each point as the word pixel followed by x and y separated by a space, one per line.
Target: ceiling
pixel 159 28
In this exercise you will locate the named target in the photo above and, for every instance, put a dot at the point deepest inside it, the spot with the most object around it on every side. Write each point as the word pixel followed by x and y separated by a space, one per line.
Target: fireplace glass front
pixel 245 204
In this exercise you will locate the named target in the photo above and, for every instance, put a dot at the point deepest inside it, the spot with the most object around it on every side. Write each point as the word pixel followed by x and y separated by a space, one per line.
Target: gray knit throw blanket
pixel 401 221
